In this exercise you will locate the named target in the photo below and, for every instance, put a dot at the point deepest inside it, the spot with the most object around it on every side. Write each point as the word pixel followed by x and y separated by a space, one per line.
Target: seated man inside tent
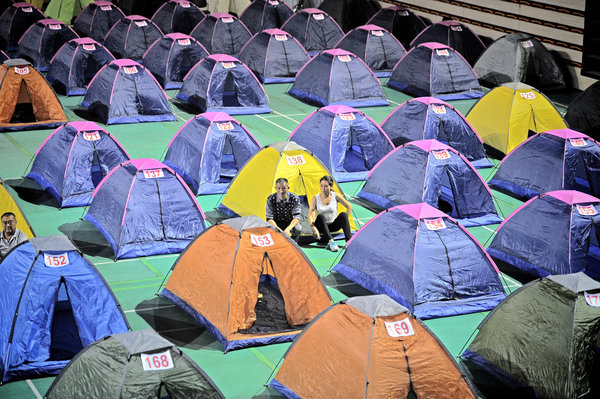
pixel 326 218
pixel 283 209
pixel 11 236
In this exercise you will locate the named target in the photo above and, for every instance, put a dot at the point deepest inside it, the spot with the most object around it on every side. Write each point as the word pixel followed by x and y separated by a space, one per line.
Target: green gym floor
pixel 135 282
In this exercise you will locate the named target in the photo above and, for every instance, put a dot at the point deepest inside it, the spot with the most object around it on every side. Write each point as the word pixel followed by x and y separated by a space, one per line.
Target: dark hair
pixel 281 180
pixel 8 214
pixel 328 179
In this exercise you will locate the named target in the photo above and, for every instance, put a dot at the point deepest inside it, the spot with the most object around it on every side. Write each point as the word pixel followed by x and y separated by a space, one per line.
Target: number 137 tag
pixel 157 361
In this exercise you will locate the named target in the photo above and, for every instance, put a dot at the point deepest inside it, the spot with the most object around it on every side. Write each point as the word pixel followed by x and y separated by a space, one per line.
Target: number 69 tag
pixel 157 361
pixel 401 328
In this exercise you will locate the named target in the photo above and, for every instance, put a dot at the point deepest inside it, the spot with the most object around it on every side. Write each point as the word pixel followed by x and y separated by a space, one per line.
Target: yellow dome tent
pixel 8 204
pixel 248 192
pixel 504 117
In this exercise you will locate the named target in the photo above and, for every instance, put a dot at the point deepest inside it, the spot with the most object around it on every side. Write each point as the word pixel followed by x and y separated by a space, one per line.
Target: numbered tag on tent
pixel 344 58
pixel 228 65
pixel 261 241
pixel 106 8
pixel 403 13
pixel 401 328
pixel 377 33
pixel 91 136
pixel 592 299
pixel 273 2
pixel 22 71
pixel 528 95
pixel 225 126
pixel 157 361
pixel 130 70
pixel 443 53
pixel 89 47
pixel 54 26
pixel 438 109
pixel 27 9
pixel 580 142
pixel 141 24
pixel 281 38
pixel 435 224
pixel 153 173
pixel 295 160
pixel 184 42
pixel 587 210
pixel 227 20
pixel 184 4
pixel 442 154
pixel 347 117
pixel 318 17
pixel 527 44
pixel 56 260
pixel 456 28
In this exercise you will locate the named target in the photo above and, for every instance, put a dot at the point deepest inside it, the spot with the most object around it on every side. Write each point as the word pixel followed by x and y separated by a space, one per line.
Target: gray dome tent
pixel 518 57
pixel 138 364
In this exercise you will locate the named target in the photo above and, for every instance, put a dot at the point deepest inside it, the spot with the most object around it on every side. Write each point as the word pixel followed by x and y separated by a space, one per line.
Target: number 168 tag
pixel 157 361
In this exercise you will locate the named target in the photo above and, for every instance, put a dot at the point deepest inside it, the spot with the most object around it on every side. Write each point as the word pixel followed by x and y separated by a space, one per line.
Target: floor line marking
pixel 34 389
pixel 263 358
pixel 16 143
pixel 271 122
pixel 152 268
pixel 286 116
pixel 153 308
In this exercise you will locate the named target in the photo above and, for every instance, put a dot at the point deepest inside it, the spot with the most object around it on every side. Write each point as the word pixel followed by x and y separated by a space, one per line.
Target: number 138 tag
pixel 157 361
pixel 401 328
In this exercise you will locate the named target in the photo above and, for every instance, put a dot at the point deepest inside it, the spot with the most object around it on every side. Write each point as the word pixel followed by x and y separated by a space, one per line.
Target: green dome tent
pixel 65 10
pixel 541 338
pixel 138 364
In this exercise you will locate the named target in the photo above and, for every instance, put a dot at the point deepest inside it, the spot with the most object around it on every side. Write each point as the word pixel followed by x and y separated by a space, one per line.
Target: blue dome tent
pixel 178 16
pixel 221 33
pixel 42 40
pixel 314 29
pixel 96 19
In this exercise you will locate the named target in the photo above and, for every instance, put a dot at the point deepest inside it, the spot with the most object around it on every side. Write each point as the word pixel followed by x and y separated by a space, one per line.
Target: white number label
pixel 529 95
pixel 89 47
pixel 22 71
pixel 54 26
pixel 527 44
pixel 295 160
pixel 456 28
pixel 153 173
pixel 586 210
pixel 435 224
pixel 443 154
pixel 592 299
pixel 105 8
pixel 401 328
pixel 262 241
pixel 130 70
pixel 403 13
pixel 58 260
pixel 577 142
pixel 347 117
pixel 157 361
pixel 318 17
pixel 438 109
pixel 91 136
pixel 227 20
pixel 443 52
pixel 141 24
pixel 184 42
pixel 273 2
pixel 344 58
pixel 225 126
pixel 184 4
pixel 377 33
pixel 228 65
pixel 27 9
pixel 281 38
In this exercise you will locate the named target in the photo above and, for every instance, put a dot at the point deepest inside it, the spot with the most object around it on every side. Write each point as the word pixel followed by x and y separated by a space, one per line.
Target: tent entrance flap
pixel 230 93
pixel 446 196
pixel 354 158
pixel 24 111
pixel 65 340
pixel 228 165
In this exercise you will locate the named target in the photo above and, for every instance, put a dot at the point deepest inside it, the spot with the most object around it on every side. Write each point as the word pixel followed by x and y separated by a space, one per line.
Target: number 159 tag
pixel 157 361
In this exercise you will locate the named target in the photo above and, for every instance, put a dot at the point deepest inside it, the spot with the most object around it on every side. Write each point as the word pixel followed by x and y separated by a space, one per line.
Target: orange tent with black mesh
pixel 369 347
pixel 28 101
pixel 247 283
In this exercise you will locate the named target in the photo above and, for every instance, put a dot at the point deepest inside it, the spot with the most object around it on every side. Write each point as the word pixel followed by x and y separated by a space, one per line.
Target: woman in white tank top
pixel 323 214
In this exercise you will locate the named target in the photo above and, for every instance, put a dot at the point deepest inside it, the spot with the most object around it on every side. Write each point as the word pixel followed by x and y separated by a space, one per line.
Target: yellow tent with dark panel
pixel 8 204
pixel 506 116
pixel 248 192
pixel 247 283
pixel 369 347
